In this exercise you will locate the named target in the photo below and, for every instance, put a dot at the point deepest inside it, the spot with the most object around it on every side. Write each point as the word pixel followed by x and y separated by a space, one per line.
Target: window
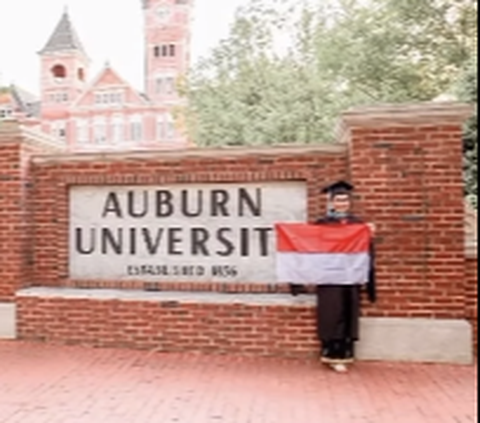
pixel 5 112
pixel 105 98
pixel 59 129
pixel 159 85
pixel 165 85
pixel 99 130
pixel 59 73
pixel 136 128
pixel 165 50
pixel 117 129
pixel 165 127
pixel 181 2
pixel 82 131
pixel 81 74
pixel 58 97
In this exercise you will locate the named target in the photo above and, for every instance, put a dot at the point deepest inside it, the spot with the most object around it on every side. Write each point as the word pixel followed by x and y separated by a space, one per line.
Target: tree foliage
pixel 468 88
pixel 252 89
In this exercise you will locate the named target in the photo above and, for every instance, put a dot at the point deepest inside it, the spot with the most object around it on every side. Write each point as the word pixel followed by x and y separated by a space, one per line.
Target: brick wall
pixel 406 163
pixel 53 177
pixel 409 179
pixel 172 326
pixel 17 146
pixel 11 248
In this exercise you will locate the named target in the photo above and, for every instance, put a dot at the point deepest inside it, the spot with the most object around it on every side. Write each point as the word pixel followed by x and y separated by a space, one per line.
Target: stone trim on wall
pixel 224 153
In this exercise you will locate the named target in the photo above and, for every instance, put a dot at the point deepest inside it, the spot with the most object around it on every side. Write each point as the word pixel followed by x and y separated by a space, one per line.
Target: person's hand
pixel 372 228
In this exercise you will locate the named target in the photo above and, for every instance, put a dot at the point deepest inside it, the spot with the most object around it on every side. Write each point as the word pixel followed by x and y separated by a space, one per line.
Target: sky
pixel 111 30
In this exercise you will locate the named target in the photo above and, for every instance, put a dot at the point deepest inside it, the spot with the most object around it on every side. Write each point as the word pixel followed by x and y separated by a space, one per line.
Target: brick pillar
pixel 17 145
pixel 406 162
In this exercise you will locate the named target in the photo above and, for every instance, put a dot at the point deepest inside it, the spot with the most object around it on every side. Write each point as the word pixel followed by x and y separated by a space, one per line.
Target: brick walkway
pixel 47 384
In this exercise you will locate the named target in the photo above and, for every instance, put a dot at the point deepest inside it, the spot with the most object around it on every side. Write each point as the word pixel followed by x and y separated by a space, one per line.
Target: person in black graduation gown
pixel 338 306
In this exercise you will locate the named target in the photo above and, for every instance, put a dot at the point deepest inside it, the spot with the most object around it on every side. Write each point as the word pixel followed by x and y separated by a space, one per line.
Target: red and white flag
pixel 323 254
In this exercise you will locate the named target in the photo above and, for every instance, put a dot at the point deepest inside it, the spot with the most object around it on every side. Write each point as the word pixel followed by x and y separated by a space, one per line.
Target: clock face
pixel 163 14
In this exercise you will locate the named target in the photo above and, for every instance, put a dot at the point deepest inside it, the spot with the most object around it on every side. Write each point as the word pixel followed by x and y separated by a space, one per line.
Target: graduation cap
pixel 337 188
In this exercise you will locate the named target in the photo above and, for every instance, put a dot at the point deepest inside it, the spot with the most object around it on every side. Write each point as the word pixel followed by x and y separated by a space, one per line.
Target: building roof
pixel 64 37
pixel 26 101
pixel 5 96
pixel 109 77
pixel 21 100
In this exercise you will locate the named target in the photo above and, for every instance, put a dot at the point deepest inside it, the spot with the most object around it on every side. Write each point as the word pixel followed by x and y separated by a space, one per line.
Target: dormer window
pixel 5 112
pixel 113 97
pixel 59 73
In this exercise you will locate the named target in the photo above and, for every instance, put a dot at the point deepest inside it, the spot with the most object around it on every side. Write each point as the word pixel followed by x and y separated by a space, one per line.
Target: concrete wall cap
pixel 201 153
pixel 407 114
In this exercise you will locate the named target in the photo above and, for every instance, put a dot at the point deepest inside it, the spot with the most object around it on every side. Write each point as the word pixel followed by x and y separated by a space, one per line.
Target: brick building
pixel 106 112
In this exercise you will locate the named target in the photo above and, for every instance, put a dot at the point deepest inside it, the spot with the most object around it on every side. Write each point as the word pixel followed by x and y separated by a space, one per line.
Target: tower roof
pixel 64 37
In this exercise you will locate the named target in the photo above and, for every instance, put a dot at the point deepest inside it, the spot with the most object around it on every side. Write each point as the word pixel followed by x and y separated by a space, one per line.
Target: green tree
pixel 397 50
pixel 468 89
pixel 341 53
pixel 247 94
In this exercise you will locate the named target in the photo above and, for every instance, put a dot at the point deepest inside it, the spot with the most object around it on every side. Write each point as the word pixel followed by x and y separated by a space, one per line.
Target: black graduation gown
pixel 338 306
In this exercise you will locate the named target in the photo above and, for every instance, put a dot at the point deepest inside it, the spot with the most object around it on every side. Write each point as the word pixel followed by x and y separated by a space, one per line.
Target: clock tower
pixel 167 47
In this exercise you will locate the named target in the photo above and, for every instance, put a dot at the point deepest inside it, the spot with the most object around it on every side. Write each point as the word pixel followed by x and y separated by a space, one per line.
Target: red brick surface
pixel 16 247
pixel 410 184
pixel 11 248
pixel 16 184
pixel 40 384
pixel 168 326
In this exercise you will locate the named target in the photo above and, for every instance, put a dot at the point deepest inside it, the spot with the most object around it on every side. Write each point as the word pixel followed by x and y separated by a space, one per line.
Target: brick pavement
pixel 51 384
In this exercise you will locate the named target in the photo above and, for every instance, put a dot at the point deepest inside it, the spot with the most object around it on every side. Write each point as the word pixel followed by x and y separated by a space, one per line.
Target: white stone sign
pixel 180 233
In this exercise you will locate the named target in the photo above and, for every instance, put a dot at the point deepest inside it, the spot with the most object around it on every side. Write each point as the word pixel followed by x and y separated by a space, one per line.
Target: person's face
pixel 341 203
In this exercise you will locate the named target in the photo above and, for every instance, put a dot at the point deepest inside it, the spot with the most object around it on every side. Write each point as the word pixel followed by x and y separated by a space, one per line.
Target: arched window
pixel 59 73
pixel 81 74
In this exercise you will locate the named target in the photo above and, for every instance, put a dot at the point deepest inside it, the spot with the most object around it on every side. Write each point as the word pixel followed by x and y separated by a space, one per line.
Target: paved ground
pixel 46 384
